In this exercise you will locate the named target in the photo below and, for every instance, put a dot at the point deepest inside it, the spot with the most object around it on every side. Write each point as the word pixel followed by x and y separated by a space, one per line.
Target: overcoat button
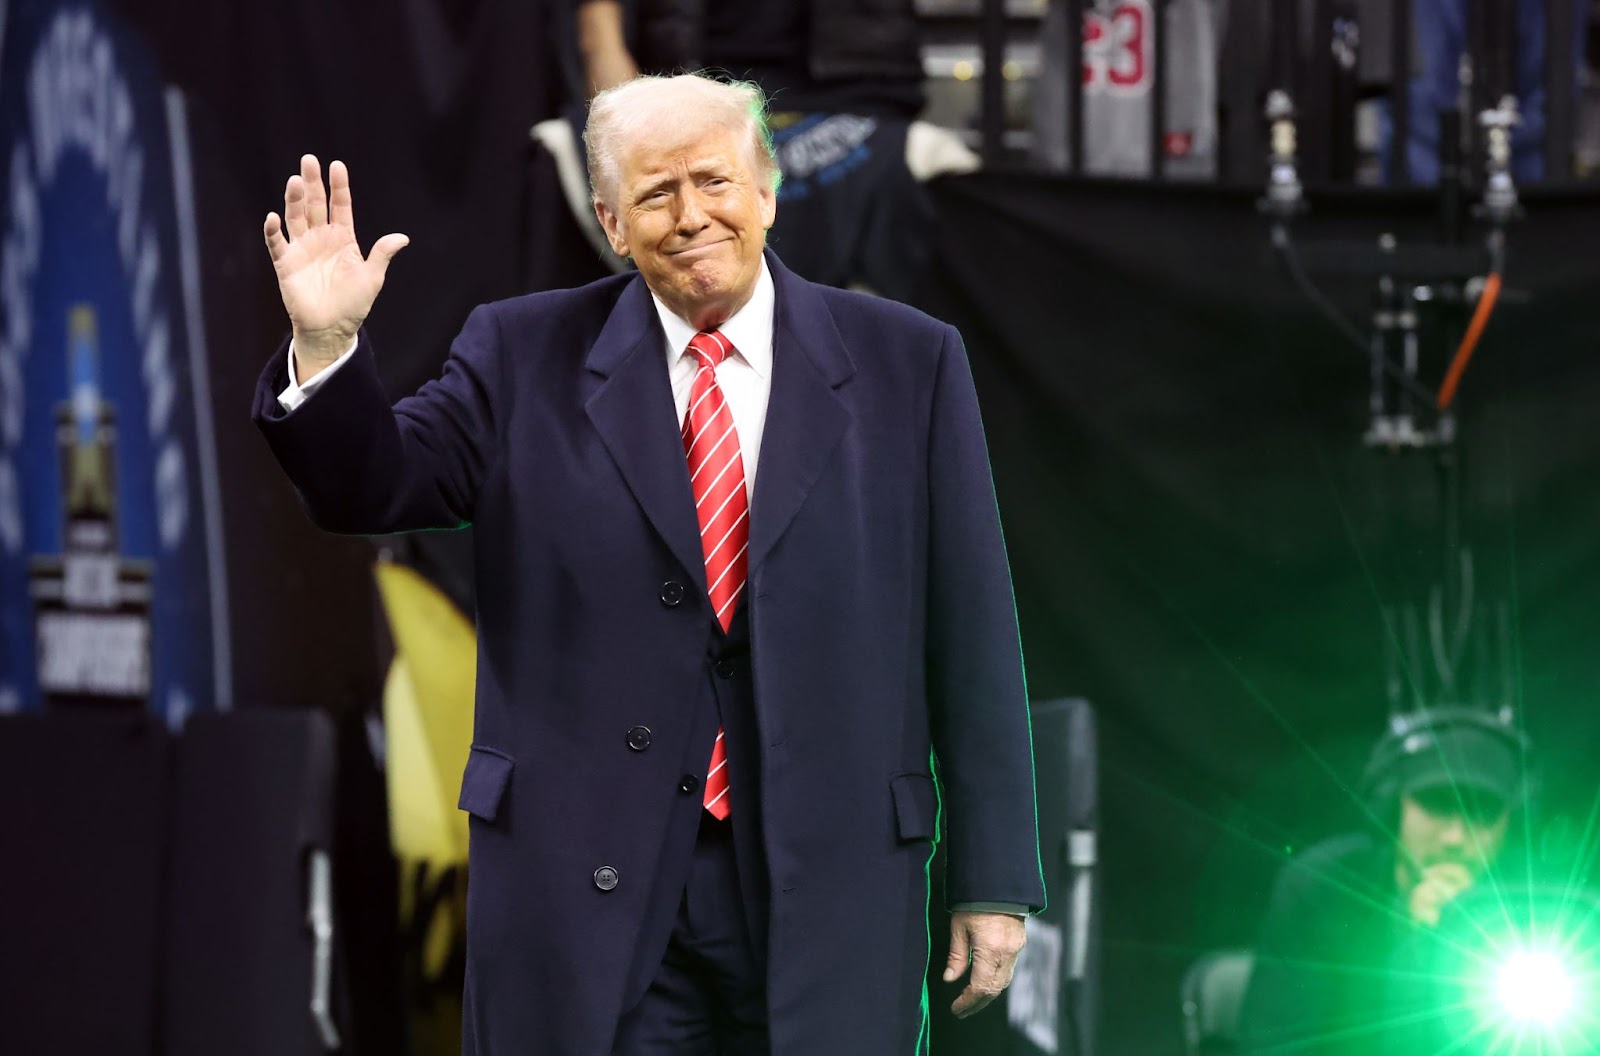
pixel 639 738
pixel 605 878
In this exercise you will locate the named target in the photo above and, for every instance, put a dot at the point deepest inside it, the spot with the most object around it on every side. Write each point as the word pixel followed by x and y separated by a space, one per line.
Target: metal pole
pixel 1158 89
pixel 1560 91
pixel 1503 34
pixel 1453 175
pixel 1400 92
pixel 1074 74
pixel 992 106
pixel 1315 98
pixel 1344 57
pixel 1286 47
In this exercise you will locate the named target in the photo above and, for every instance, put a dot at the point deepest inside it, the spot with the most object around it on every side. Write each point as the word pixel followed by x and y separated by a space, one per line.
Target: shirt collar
pixel 749 330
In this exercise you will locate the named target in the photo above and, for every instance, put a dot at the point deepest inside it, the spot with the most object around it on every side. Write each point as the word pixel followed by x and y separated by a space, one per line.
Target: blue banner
pixel 111 579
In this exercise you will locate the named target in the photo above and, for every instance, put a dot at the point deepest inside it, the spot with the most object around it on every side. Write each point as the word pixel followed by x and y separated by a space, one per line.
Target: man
pixel 1350 928
pixel 740 583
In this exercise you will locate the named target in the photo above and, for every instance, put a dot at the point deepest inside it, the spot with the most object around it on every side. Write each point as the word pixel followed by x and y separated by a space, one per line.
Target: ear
pixel 769 206
pixel 611 224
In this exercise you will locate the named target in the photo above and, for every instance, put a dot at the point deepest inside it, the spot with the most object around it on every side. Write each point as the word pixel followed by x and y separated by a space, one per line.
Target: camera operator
pixel 1342 928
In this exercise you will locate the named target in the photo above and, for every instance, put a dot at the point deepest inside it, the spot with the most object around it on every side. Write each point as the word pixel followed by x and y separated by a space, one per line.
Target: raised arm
pixel 360 465
pixel 326 284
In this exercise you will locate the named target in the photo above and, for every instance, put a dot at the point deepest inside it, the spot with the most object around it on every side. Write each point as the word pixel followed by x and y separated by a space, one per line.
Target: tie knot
pixel 710 347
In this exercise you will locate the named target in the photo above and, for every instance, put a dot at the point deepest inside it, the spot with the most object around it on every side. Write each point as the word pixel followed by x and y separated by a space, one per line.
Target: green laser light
pixel 1534 987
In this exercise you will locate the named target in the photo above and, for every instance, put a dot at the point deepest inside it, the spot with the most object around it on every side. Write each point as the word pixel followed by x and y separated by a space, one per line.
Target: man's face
pixel 693 214
pixel 1452 826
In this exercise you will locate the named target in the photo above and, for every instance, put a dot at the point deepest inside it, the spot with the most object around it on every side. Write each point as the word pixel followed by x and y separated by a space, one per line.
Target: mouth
pixel 692 252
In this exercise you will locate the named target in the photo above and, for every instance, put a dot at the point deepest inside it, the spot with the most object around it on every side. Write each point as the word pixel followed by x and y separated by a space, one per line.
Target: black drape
pixel 1203 547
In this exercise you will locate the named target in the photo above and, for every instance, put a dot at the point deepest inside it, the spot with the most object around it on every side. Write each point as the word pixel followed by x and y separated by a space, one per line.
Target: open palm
pixel 327 285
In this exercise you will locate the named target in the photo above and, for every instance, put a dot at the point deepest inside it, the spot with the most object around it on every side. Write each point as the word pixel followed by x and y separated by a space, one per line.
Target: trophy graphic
pixel 91 607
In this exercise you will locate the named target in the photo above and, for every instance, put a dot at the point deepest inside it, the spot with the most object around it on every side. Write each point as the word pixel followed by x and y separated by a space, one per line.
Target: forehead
pixel 652 152
pixel 1446 802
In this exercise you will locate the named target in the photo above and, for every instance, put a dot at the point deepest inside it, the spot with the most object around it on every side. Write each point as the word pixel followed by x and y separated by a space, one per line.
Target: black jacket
pixel 850 39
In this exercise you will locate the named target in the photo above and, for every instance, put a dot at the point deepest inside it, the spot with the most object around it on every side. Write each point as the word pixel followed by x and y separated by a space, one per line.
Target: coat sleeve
pixel 1287 1003
pixel 364 467
pixel 977 694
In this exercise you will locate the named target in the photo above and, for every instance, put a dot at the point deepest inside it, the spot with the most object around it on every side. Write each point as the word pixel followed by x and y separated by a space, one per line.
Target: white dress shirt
pixel 745 377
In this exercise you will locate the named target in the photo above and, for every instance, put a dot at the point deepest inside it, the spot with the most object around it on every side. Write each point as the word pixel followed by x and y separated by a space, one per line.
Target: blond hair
pixel 679 105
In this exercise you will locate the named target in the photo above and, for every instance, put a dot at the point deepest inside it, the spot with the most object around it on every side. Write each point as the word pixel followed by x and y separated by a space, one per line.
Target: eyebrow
pixel 707 167
pixel 654 185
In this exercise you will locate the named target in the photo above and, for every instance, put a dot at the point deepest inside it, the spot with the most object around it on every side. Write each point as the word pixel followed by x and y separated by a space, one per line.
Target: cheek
pixel 643 226
pixel 1416 835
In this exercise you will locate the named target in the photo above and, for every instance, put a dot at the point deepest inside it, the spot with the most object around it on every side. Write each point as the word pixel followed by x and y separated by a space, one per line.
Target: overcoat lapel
pixel 805 417
pixel 634 415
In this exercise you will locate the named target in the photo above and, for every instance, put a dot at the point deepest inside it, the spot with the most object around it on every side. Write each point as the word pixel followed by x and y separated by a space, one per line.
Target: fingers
pixel 384 250
pixel 316 192
pixel 1424 910
pixel 294 207
pixel 956 963
pixel 1437 890
pixel 995 943
pixel 387 246
pixel 272 231
pixel 340 210
pixel 991 974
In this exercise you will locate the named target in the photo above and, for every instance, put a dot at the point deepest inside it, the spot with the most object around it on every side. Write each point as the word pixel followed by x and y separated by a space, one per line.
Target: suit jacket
pixel 882 633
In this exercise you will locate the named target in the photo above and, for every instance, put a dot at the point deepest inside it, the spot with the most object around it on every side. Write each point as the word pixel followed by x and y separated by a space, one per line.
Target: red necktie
pixel 716 472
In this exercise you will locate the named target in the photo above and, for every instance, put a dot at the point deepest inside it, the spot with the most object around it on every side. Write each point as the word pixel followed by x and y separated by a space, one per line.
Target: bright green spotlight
pixel 1534 987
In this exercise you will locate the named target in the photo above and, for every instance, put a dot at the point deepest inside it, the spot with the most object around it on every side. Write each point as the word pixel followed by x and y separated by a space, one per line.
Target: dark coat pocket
pixel 916 806
pixel 483 785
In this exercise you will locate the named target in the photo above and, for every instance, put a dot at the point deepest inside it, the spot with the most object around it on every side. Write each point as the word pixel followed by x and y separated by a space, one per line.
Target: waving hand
pixel 327 285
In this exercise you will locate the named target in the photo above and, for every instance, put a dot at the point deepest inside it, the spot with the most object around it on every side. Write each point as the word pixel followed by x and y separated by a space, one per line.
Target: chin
pixel 711 279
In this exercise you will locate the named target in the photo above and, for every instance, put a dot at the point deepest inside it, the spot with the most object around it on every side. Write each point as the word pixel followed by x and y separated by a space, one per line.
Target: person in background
pixel 1336 947
pixel 1441 37
pixel 809 56
pixel 845 83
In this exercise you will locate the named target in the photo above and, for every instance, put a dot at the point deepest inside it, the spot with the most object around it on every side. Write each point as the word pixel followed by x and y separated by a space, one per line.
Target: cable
pixel 1469 342
pixel 1285 247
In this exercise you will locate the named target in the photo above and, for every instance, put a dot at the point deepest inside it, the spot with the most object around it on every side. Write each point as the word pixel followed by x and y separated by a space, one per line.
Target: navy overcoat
pixel 883 644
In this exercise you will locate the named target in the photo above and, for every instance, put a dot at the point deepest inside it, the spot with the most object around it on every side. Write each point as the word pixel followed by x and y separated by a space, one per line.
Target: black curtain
pixel 429 102
pixel 1203 547
pixel 1201 544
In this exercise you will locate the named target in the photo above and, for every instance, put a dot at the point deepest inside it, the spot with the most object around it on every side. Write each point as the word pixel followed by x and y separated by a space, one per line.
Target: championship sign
pixel 112 584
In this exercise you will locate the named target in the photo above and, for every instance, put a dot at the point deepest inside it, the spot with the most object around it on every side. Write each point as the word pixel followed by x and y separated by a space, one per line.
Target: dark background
pixel 1200 544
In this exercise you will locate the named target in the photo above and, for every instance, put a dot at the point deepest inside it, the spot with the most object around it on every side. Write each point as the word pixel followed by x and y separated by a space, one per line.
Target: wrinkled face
pixel 1448 825
pixel 693 214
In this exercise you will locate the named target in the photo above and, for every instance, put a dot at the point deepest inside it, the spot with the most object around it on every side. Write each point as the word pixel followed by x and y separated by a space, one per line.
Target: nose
pixel 1453 833
pixel 692 218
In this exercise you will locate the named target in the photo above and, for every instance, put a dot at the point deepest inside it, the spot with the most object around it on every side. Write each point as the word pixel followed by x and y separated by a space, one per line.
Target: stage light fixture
pixel 1534 988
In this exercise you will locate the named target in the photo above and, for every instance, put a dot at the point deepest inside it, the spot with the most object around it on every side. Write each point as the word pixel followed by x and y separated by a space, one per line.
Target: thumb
pixel 960 952
pixel 384 250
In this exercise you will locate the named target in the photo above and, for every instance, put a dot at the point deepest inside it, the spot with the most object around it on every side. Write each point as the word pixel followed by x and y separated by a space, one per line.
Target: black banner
pixel 1204 548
